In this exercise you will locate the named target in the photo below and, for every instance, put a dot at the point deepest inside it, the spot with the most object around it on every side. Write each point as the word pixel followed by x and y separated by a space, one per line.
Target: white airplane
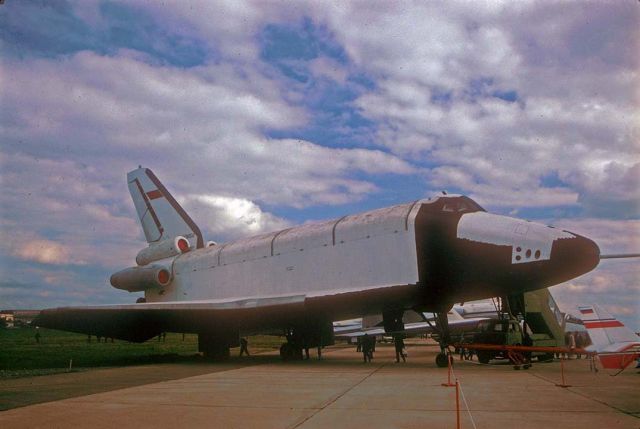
pixel 483 308
pixel 424 255
pixel 456 323
pixel 615 345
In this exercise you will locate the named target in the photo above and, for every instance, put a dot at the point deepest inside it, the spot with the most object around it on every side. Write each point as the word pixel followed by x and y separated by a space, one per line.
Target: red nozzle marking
pixel 183 245
pixel 163 277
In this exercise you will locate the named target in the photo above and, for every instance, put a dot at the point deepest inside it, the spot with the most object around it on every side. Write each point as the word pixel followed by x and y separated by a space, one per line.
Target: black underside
pixel 141 322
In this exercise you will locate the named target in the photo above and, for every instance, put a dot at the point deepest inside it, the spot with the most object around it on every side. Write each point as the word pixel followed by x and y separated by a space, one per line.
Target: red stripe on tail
pixel 605 324
pixel 152 195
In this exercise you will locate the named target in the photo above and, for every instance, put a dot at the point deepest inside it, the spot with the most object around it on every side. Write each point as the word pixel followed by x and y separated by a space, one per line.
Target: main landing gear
pixel 215 347
pixel 444 339
pixel 290 351
pixel 301 338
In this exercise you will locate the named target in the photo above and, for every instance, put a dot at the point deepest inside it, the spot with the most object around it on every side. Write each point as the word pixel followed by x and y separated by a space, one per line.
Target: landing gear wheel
pixel 284 351
pixel 484 357
pixel 213 348
pixel 442 360
pixel 290 352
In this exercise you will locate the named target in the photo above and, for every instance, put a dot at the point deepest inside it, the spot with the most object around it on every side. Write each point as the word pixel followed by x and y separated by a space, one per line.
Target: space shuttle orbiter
pixel 424 255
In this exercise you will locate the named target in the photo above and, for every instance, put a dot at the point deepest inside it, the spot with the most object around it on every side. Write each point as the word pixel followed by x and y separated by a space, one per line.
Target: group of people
pixel 575 340
pixel 367 345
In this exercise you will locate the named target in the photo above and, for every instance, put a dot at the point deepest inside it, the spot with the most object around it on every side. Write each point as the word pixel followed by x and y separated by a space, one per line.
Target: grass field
pixel 20 354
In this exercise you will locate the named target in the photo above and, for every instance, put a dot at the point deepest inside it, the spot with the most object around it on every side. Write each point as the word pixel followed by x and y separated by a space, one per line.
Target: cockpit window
pixel 471 205
pixel 461 205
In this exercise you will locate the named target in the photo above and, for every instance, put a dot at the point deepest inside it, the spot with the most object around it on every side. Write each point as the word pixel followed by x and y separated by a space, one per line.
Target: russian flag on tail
pixel 616 345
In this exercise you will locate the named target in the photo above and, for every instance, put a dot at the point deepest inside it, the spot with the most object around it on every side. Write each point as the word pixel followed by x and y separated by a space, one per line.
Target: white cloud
pixel 615 282
pixel 612 236
pixel 232 217
pixel 45 252
pixel 576 116
pixel 208 121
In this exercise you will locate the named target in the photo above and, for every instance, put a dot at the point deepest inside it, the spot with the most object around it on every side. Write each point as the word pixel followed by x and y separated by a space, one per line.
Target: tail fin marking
pixel 160 214
pixel 617 346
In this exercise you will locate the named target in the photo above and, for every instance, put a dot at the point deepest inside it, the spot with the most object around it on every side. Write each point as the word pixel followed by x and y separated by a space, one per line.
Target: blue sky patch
pixel 335 122
pixel 51 29
pixel 305 41
pixel 441 96
pixel 44 29
pixel 485 87
pixel 511 96
pixel 131 29
pixel 552 180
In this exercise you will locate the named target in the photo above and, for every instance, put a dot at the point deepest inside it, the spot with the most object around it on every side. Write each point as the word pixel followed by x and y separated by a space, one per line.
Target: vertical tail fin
pixel 616 345
pixel 160 214
pixel 603 328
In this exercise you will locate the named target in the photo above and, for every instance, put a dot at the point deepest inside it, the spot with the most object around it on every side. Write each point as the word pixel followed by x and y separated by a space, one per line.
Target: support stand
pixel 563 384
pixel 449 372
pixel 457 404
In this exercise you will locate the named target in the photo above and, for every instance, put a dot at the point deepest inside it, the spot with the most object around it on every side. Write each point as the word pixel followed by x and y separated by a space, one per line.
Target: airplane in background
pixel 615 345
pixel 423 256
pixel 483 308
pixel 456 323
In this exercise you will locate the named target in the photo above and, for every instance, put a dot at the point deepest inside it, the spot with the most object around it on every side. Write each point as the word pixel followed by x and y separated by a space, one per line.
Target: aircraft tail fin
pixel 160 214
pixel 616 345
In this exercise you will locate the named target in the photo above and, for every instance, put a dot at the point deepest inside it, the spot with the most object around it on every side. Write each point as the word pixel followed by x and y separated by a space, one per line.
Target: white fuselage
pixel 369 250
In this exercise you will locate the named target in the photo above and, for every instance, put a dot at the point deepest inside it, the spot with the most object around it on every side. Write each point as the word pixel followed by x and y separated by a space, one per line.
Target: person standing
pixel 572 344
pixel 579 344
pixel 372 347
pixel 366 348
pixel 528 342
pixel 398 342
pixel 244 346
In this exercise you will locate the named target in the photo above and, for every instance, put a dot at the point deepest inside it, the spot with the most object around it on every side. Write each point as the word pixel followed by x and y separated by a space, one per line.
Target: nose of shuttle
pixel 575 256
pixel 525 255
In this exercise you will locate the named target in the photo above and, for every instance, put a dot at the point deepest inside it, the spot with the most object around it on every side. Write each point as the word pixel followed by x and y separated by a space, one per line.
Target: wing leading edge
pixel 140 322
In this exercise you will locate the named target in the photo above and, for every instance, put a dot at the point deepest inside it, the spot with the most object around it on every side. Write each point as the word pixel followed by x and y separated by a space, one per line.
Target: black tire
pixel 290 352
pixel 484 356
pixel 547 357
pixel 284 351
pixel 217 354
pixel 442 360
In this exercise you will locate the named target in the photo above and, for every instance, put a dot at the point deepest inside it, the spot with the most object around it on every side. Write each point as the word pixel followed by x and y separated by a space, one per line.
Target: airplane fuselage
pixel 424 255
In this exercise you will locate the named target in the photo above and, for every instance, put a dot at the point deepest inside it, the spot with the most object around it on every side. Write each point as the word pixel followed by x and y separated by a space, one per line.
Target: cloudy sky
pixel 260 115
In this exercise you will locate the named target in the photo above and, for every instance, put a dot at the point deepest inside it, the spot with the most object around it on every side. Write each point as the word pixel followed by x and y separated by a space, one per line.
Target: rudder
pixel 603 328
pixel 160 214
